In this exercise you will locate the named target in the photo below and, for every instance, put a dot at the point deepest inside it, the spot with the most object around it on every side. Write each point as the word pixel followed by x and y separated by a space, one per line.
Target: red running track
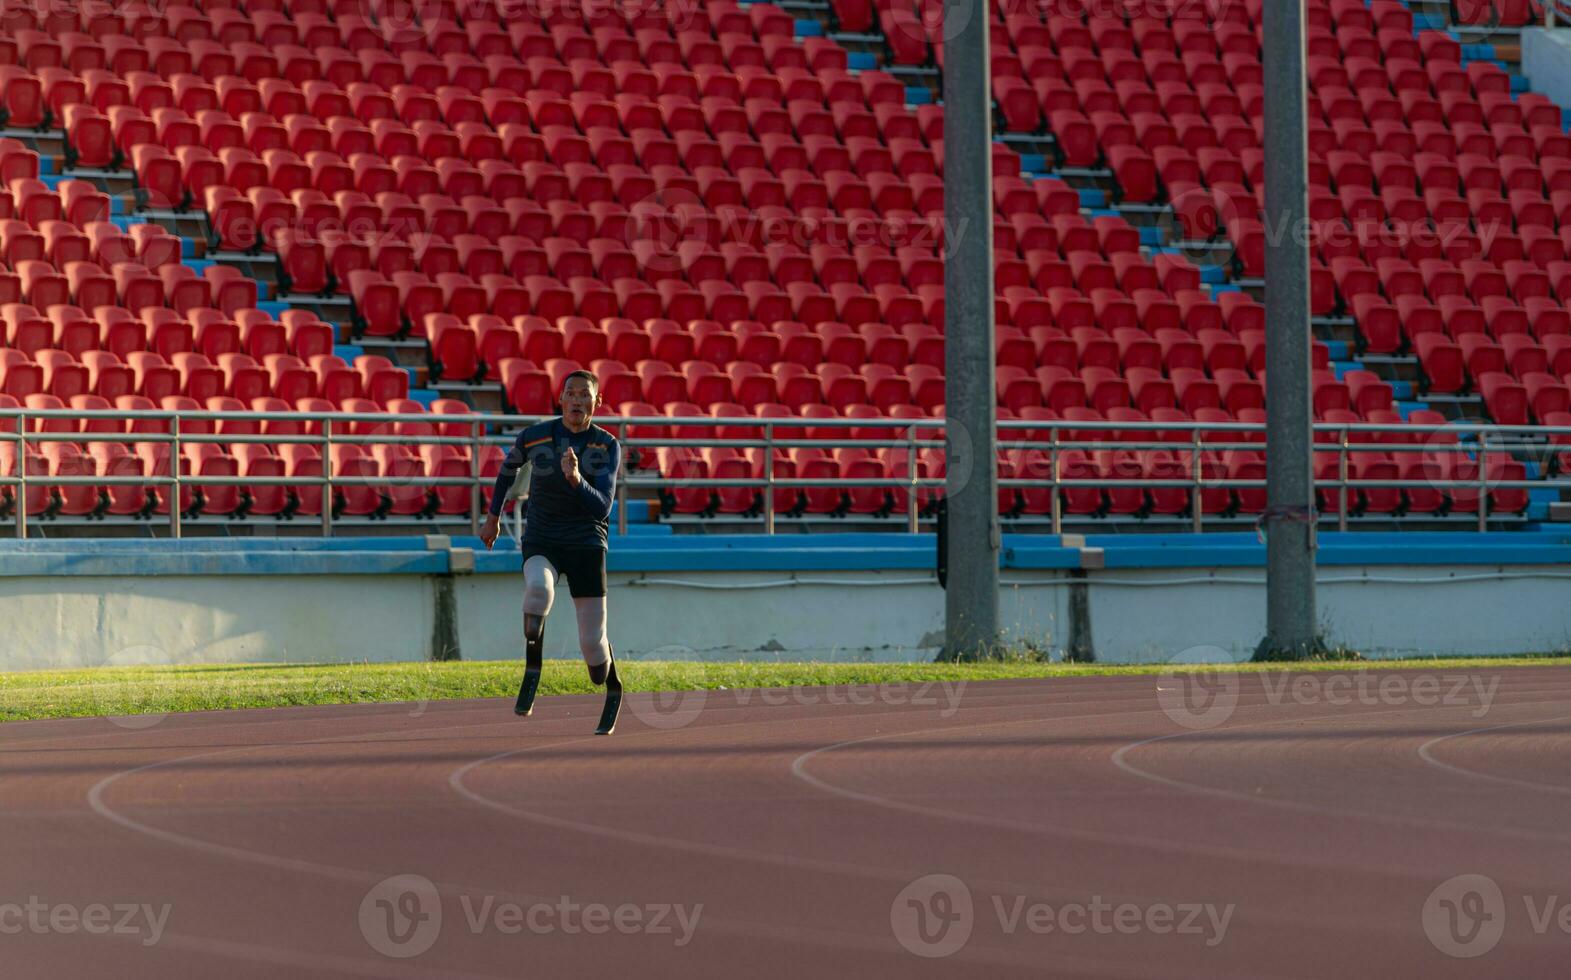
pixel 1293 826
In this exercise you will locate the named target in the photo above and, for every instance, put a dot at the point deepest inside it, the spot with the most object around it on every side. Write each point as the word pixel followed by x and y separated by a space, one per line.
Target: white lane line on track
pixel 96 792
pixel 456 780
pixel 354 875
pixel 1001 887
pixel 360 876
pixel 1119 759
pixel 1425 753
pixel 95 800
pixel 248 952
pixel 1269 856
pixel 282 957
pixel 1085 966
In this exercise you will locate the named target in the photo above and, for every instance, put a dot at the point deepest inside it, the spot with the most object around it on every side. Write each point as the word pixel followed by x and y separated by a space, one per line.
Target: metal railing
pixel 1035 452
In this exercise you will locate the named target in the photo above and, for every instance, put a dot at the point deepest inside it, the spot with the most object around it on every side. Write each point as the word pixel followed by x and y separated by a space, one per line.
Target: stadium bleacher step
pixel 924 79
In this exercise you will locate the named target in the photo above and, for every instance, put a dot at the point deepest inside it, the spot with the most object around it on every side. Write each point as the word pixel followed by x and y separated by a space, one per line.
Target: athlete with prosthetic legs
pixel 572 483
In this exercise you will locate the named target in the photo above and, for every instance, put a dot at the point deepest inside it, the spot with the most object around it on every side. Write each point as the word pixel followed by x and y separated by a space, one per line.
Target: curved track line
pixel 354 875
pixel 458 785
pixel 1425 754
pixel 797 934
pixel 252 952
pixel 1119 759
pixel 379 968
pixel 456 781
pixel 96 792
pixel 798 768
pixel 95 800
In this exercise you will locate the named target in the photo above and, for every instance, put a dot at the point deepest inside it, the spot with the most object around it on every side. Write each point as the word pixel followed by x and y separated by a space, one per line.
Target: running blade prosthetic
pixel 613 700
pixel 534 644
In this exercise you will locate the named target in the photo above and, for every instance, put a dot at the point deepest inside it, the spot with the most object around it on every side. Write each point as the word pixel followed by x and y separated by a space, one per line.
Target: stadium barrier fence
pixel 1036 450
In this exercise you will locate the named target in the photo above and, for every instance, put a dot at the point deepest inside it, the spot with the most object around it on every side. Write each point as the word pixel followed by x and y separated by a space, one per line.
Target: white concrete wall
pixel 894 616
pixel 84 621
pixel 1153 615
pixel 1137 616
pixel 706 615
pixel 1546 61
pixel 1476 610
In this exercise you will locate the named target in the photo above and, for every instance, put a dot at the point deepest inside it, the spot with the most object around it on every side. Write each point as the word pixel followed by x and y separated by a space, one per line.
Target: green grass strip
pixel 127 691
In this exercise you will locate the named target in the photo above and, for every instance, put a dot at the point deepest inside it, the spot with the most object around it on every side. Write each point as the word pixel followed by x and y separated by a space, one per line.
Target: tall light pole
pixel 1291 631
pixel 973 539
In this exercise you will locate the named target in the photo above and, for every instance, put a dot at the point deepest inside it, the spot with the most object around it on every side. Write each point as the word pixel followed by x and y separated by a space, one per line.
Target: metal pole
pixel 474 479
pixel 1483 481
pixel 1341 488
pixel 974 541
pixel 911 488
pixel 174 470
pixel 621 490
pixel 327 478
pixel 21 474
pixel 1197 492
pixel 1290 493
pixel 769 478
pixel 1052 472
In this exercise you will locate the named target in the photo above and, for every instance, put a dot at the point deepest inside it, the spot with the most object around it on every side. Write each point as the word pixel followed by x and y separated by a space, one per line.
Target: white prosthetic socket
pixel 539 593
pixel 539 585
pixel 592 640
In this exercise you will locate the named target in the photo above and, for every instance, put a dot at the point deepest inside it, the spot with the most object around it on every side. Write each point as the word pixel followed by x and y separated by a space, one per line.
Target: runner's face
pixel 579 401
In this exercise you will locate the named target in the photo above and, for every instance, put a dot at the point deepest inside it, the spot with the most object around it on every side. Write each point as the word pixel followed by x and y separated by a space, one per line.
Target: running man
pixel 571 486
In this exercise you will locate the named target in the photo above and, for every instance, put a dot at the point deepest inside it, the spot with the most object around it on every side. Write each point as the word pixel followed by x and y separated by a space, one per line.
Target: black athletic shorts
pixel 584 567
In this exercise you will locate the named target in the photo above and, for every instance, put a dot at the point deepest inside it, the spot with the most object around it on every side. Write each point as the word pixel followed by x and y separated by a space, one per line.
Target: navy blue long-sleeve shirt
pixel 559 513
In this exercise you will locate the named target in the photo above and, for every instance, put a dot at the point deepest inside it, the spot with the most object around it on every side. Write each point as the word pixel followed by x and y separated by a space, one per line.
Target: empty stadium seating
pixel 720 219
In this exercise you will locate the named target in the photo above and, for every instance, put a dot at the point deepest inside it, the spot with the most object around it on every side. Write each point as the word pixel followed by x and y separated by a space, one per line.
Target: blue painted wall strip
pixel 654 549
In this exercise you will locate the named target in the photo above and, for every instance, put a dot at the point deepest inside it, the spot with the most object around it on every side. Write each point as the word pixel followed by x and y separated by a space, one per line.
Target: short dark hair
pixel 588 376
